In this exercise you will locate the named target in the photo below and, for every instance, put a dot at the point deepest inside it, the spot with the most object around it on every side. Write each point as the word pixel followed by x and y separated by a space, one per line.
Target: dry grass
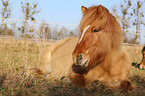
pixel 16 56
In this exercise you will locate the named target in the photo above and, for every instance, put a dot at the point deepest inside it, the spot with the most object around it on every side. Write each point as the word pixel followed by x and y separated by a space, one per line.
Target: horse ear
pixel 100 9
pixel 84 9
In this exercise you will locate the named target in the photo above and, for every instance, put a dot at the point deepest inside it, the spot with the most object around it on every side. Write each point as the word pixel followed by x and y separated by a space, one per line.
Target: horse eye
pixel 95 30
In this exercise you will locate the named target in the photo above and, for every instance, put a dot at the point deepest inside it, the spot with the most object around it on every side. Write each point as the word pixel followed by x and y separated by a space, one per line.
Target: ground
pixel 18 56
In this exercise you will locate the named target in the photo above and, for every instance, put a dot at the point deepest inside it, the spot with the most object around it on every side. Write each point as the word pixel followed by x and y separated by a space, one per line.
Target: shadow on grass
pixel 98 89
pixel 70 90
pixel 17 84
pixel 2 78
pixel 139 83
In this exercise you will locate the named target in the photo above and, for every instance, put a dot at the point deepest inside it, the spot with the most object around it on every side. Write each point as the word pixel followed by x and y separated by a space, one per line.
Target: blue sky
pixel 60 11
pixel 67 11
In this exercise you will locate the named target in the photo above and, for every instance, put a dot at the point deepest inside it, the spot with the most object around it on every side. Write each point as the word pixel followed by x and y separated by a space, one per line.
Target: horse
pixel 96 55
pixel 142 64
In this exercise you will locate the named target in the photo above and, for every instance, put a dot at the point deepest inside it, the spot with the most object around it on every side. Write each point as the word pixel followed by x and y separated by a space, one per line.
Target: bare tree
pixel 124 17
pixel 62 33
pixel 125 6
pixel 138 14
pixel 55 33
pixel 45 32
pixel 29 10
pixel 132 14
pixel 6 12
pixel 71 33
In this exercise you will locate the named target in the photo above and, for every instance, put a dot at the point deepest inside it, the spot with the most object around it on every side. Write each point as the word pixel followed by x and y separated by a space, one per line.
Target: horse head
pixel 100 34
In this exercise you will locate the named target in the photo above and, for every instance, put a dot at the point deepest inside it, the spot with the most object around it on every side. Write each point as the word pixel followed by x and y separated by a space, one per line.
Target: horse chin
pixel 80 69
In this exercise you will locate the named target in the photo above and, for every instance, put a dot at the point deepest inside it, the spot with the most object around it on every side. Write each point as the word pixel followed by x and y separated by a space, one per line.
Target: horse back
pixel 57 58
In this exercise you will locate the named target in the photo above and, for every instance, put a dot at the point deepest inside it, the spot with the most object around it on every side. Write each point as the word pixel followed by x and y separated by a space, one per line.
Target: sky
pixel 67 11
pixel 60 11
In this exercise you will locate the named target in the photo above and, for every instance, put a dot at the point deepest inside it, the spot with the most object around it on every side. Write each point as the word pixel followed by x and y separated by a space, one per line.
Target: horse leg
pixel 76 80
pixel 142 66
pixel 125 84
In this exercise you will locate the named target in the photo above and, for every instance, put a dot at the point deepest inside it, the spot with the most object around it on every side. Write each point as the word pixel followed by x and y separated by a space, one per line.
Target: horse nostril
pixel 79 58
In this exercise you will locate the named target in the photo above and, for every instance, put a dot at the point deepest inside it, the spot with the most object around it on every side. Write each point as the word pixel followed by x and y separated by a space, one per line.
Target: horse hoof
pixel 142 67
pixel 65 79
pixel 127 85
pixel 62 78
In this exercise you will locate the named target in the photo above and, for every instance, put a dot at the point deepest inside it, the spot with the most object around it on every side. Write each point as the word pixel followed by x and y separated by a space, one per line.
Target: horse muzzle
pixel 81 61
pixel 80 64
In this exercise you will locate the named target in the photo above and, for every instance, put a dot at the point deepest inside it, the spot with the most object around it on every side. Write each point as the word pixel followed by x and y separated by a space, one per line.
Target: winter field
pixel 18 56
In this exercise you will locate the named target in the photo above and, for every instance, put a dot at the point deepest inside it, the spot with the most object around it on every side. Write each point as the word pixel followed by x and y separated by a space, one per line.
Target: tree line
pixel 26 30
pixel 130 14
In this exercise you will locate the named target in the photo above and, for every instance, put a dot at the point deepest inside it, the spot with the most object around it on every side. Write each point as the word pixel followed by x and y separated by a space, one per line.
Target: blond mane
pixel 103 20
pixel 90 16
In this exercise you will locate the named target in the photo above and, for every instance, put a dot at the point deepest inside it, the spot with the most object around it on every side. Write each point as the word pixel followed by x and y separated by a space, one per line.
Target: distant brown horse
pixel 142 64
pixel 97 55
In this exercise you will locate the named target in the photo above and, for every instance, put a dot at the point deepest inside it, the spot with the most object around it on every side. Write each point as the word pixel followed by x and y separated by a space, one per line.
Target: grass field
pixel 17 56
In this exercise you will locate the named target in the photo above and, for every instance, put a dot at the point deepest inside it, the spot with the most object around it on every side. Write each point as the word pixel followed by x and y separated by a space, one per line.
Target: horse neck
pixel 112 57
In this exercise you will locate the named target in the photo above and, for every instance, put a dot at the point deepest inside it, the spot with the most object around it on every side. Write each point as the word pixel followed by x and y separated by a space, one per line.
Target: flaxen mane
pixel 91 16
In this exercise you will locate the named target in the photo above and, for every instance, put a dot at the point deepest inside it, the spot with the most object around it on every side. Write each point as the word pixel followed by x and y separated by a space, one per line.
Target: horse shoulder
pixel 122 65
pixel 115 68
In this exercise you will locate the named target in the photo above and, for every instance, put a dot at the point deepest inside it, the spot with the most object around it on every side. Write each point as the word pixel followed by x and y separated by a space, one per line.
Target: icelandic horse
pixel 97 55
pixel 142 64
